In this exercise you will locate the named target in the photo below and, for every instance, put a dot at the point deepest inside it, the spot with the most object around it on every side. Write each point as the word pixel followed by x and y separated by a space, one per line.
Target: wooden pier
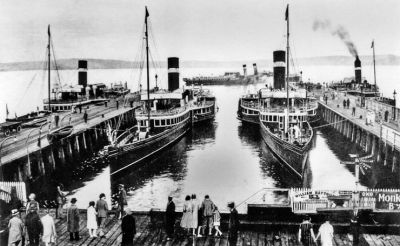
pixel 28 153
pixel 150 231
pixel 378 138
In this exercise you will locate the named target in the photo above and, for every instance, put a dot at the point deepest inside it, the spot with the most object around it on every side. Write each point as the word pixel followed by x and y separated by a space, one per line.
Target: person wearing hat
pixel 49 229
pixel 121 200
pixel 15 229
pixel 32 204
pixel 33 226
pixel 102 210
pixel 170 218
pixel 233 227
pixel 73 220
pixel 128 228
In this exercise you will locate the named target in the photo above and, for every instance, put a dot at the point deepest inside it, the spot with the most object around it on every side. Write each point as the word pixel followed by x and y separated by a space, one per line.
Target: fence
pixel 6 190
pixel 305 200
pixel 391 136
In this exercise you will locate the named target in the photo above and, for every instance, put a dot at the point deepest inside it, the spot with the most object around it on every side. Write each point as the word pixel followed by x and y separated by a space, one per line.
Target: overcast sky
pixel 193 30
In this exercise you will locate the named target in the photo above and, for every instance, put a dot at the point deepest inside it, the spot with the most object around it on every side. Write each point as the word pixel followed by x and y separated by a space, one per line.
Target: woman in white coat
pixel 187 217
pixel 92 220
pixel 49 229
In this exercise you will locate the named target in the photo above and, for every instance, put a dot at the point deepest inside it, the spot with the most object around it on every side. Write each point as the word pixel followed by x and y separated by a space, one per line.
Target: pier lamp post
pixel 394 106
pixel 1 145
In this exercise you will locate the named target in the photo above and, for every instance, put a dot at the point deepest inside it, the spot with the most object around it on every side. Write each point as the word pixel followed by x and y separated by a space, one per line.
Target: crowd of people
pixel 200 218
pixel 33 227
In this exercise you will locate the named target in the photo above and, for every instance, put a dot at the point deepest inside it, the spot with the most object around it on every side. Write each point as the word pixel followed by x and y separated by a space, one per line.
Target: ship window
pixel 275 118
pixel 162 122
pixel 168 122
pixel 156 123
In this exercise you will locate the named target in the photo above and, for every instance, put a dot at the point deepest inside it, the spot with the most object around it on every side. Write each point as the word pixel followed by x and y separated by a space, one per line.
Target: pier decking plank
pixel 151 236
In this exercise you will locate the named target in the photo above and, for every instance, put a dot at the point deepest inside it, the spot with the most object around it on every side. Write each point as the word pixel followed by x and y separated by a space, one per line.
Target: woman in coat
pixel 195 213
pixel 92 220
pixel 49 229
pixel 187 216
pixel 73 221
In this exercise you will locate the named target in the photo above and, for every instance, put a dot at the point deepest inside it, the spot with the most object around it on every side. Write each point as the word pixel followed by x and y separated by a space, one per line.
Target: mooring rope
pixel 336 122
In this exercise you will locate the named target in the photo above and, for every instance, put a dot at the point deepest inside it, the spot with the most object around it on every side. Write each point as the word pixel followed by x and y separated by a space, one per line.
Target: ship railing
pixel 250 104
pixel 296 109
pixel 203 103
pixel 165 112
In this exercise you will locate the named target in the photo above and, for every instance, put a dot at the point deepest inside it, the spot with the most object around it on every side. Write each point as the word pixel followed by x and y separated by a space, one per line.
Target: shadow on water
pixel 269 165
pixel 169 162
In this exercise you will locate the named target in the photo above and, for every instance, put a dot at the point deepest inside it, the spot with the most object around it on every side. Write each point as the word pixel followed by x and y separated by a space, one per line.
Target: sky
pixel 217 30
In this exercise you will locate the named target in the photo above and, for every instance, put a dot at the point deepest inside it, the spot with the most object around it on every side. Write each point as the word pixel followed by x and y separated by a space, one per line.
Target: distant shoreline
pixel 71 64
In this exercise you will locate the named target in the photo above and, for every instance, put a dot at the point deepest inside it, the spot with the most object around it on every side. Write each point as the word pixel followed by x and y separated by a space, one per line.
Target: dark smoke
pixel 339 31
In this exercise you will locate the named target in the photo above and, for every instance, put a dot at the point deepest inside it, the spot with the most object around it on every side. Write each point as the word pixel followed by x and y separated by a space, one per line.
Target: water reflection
pixel 229 161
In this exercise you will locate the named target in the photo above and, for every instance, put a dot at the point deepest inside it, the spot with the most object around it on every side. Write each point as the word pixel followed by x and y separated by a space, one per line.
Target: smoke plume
pixel 338 31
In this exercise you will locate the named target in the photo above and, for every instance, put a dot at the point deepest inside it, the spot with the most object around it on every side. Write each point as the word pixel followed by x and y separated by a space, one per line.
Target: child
pixel 91 220
pixel 217 221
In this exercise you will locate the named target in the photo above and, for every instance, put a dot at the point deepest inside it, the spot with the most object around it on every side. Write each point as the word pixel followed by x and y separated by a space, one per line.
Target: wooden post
pixel 386 155
pixel 20 173
pixel 61 153
pixel 41 164
pixel 84 140
pixel 69 143
pixel 77 143
pixel 394 161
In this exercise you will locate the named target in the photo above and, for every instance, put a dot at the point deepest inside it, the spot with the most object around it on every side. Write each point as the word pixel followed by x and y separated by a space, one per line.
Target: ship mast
pixel 147 68
pixel 287 68
pixel 373 52
pixel 48 65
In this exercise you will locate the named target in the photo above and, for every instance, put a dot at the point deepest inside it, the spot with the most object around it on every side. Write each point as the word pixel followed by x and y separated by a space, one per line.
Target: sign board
pixel 382 200
pixel 308 200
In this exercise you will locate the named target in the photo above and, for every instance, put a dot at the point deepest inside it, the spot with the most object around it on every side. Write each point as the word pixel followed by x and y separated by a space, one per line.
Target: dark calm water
pixel 225 159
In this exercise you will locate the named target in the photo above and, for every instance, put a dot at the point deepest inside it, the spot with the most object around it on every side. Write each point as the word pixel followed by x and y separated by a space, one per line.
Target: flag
pixel 147 13
pixel 287 13
pixel 372 44
pixel 7 113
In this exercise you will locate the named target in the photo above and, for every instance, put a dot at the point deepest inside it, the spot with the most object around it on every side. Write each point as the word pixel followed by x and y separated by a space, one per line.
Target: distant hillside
pixel 67 64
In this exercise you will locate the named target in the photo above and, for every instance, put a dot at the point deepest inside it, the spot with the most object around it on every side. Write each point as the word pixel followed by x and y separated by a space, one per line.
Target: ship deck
pixel 150 231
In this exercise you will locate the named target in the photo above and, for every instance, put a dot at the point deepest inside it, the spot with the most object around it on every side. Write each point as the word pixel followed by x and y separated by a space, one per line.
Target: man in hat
pixel 73 220
pixel 102 210
pixel 233 224
pixel 121 199
pixel 170 218
pixel 128 228
pixel 33 226
pixel 15 229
